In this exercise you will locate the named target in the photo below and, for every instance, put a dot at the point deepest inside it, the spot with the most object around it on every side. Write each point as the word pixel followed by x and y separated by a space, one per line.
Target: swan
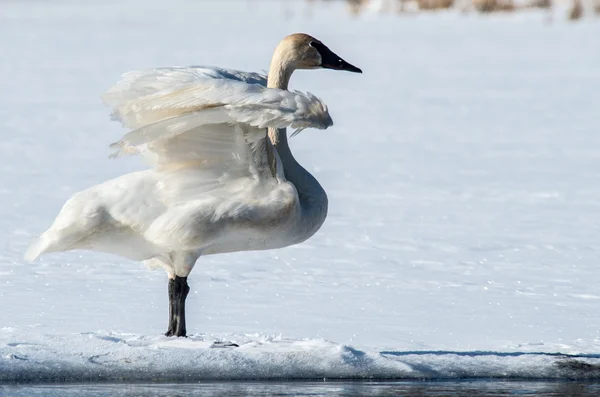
pixel 222 176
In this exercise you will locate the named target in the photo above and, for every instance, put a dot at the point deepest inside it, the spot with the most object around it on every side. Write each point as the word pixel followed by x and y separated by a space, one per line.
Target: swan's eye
pixel 311 44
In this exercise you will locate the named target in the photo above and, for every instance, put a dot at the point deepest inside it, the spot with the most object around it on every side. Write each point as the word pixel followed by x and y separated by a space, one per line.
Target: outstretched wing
pixel 139 83
pixel 204 129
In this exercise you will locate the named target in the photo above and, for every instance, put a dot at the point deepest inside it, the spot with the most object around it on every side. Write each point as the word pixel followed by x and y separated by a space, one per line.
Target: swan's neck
pixel 280 71
pixel 312 197
pixel 313 200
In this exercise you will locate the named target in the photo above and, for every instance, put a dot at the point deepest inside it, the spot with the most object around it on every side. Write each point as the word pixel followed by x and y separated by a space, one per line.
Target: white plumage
pixel 222 179
pixel 205 132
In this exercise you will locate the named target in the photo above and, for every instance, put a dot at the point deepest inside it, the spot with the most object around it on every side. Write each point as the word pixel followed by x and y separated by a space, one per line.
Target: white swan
pixel 223 177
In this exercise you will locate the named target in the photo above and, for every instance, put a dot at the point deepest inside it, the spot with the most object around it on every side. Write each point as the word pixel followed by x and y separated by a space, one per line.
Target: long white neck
pixel 313 199
pixel 280 71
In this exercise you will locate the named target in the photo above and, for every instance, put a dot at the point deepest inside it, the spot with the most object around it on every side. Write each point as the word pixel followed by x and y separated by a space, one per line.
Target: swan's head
pixel 301 51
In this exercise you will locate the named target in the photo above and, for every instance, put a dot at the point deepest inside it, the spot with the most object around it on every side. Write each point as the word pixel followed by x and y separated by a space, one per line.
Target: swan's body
pixel 223 177
pixel 212 189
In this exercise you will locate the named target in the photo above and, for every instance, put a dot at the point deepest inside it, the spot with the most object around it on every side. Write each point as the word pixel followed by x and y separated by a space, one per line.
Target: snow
pixel 109 356
pixel 462 172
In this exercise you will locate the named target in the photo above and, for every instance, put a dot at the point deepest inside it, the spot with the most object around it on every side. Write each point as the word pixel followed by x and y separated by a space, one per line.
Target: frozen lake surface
pixel 462 172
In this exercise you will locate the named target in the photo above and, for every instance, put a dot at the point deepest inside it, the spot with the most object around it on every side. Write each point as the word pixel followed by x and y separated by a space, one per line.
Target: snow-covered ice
pixel 463 176
pixel 107 356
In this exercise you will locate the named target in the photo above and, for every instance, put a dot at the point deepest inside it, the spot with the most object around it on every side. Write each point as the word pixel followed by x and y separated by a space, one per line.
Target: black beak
pixel 329 60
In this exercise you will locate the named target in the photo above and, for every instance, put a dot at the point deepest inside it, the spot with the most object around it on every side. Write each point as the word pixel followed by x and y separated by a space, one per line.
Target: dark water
pixel 477 388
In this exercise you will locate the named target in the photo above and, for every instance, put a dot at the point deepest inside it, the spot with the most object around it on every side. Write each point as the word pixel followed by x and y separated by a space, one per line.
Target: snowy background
pixel 463 172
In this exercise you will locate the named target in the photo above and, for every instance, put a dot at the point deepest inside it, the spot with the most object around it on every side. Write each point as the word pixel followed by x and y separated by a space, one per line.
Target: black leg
pixel 170 329
pixel 178 291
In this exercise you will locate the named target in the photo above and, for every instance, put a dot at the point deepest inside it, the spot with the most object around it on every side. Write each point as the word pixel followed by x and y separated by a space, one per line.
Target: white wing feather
pixel 236 101
pixel 204 129
pixel 140 83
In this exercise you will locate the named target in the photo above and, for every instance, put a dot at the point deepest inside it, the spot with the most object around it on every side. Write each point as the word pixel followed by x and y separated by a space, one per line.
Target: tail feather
pixel 52 241
pixel 78 219
pixel 37 248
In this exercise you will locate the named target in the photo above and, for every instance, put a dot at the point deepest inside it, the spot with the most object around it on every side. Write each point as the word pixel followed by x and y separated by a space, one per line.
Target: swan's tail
pixel 52 240
pixel 38 247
